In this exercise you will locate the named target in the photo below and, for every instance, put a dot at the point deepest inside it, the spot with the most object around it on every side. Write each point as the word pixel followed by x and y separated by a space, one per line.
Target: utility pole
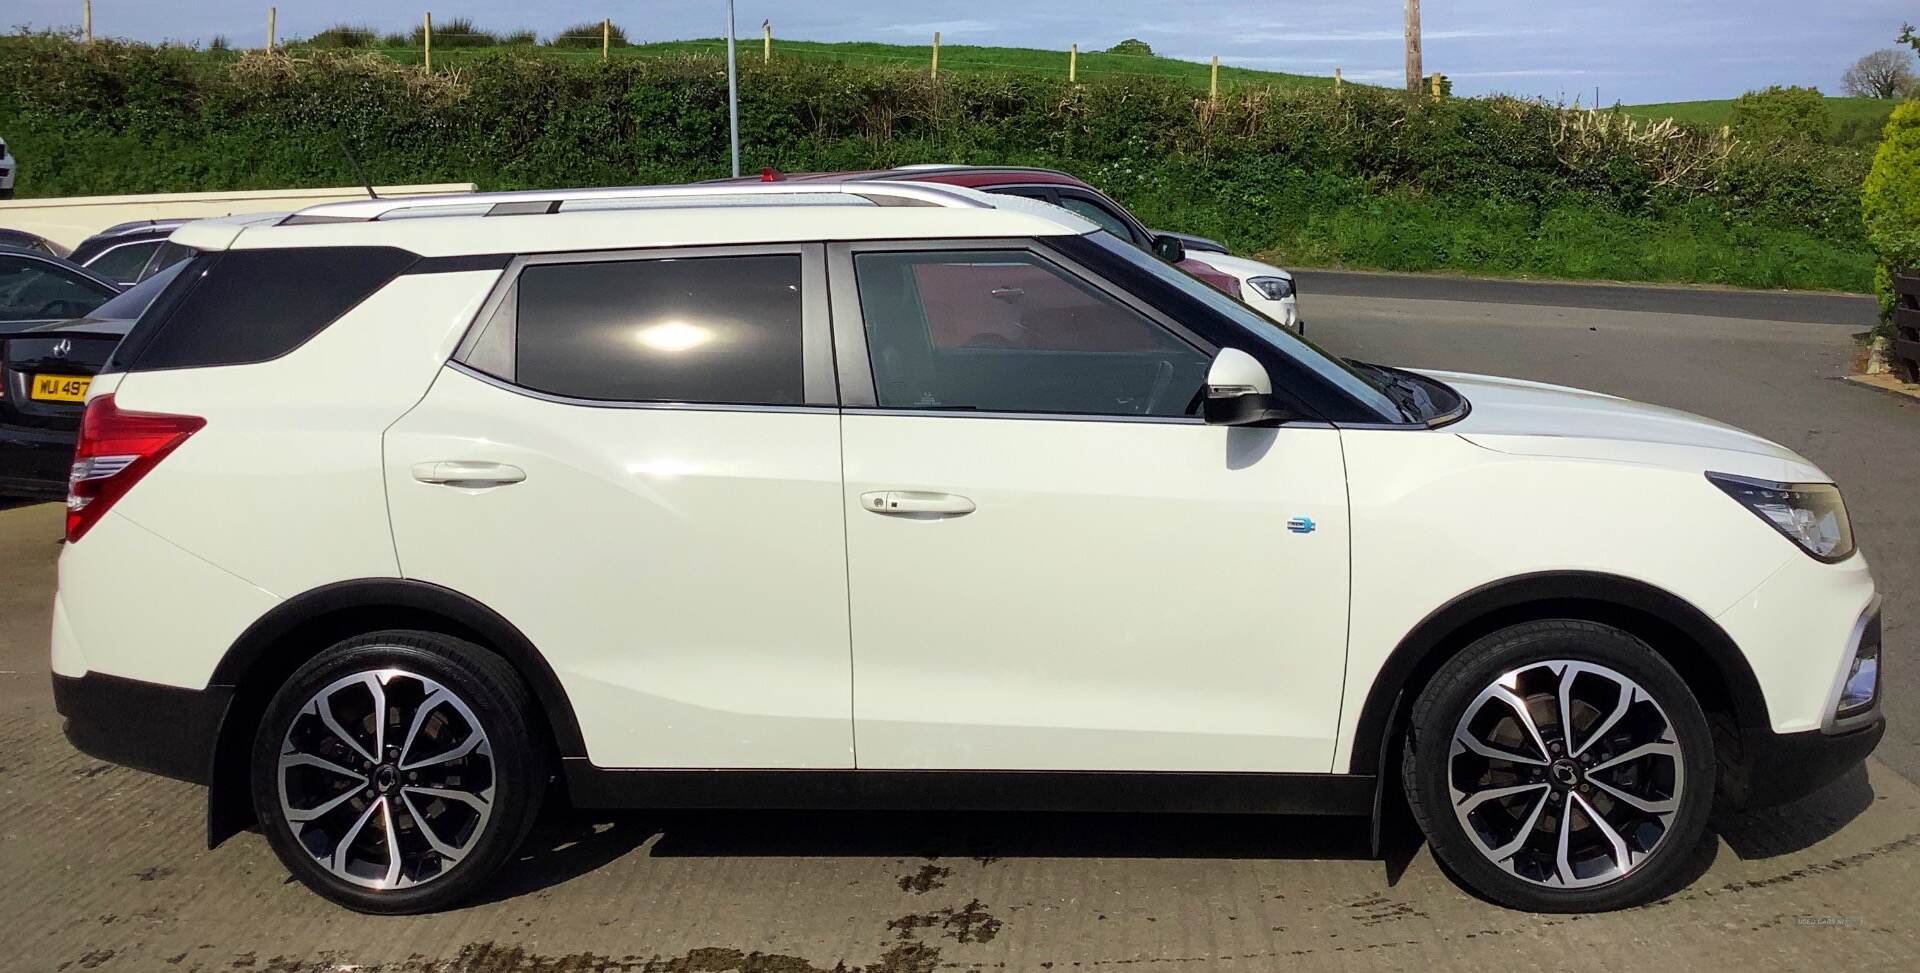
pixel 1413 47
pixel 733 95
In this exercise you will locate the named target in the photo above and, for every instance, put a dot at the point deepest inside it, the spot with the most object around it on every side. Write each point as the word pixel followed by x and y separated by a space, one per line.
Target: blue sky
pixel 1635 51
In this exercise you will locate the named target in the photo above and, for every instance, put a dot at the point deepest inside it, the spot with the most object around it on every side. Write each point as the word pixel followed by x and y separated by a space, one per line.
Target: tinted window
pixel 170 253
pixel 133 301
pixel 32 290
pixel 1005 331
pixel 1101 216
pixel 124 262
pixel 245 306
pixel 696 329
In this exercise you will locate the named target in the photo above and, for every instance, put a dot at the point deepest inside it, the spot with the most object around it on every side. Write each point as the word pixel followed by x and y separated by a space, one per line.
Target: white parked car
pixel 900 495
pixel 9 170
pixel 1265 288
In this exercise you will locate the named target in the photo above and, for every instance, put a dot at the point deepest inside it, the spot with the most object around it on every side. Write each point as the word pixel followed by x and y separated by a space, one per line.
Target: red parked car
pixel 1046 185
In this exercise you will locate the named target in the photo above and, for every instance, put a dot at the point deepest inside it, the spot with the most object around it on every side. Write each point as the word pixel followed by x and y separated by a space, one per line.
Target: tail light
pixel 116 449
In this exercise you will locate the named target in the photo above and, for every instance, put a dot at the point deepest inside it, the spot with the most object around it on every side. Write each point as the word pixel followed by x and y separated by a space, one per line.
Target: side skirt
pixel 971 790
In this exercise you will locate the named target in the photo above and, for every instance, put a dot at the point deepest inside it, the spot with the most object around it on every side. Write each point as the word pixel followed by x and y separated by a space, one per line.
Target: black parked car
pixel 132 252
pixel 31 241
pixel 44 374
pixel 36 287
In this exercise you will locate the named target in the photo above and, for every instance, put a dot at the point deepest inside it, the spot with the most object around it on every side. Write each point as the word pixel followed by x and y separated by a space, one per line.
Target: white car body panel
pixel 1126 596
pixel 1286 311
pixel 626 554
pixel 712 594
pixel 277 488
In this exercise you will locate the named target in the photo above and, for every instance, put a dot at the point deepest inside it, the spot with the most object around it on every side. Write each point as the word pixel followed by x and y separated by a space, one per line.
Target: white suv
pixel 898 495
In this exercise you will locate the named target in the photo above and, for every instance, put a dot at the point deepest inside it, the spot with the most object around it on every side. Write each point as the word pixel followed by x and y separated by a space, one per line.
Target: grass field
pixel 1856 117
pixel 957 58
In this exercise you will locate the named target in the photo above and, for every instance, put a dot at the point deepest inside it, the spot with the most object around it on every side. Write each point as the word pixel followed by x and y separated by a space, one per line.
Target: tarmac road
pixel 104 868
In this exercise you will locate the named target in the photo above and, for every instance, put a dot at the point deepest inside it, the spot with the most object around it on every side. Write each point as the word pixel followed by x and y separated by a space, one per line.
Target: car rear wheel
pixel 1560 766
pixel 396 771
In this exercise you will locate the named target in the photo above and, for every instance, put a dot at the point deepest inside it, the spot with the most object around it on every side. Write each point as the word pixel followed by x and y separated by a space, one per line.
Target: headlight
pixel 1272 288
pixel 1811 515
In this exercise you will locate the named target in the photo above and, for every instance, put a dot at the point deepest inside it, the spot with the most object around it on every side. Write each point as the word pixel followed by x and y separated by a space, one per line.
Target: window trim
pixel 855 366
pixel 818 388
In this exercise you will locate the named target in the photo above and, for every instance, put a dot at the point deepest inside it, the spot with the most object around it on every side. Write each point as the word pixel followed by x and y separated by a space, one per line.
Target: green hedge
pixel 1362 177
pixel 1891 202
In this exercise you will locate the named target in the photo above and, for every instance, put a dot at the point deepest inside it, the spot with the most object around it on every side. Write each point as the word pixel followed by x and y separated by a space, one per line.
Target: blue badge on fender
pixel 1301 525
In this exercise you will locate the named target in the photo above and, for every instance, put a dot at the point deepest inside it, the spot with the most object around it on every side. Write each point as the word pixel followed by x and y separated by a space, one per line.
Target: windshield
pixel 1368 388
pixel 134 300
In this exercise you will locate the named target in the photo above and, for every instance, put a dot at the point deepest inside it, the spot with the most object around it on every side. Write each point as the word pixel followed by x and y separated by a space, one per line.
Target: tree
pixel 1910 37
pixel 1132 45
pixel 1776 113
pixel 1882 74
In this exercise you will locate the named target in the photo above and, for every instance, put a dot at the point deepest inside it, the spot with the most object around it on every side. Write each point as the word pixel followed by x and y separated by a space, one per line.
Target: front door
pixel 1053 564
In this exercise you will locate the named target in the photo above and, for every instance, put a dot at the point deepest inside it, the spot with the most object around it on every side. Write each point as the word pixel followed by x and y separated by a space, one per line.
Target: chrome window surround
pixel 488 345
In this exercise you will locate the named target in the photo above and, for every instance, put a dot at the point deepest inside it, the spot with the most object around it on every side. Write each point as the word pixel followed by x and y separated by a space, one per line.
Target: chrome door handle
pixel 908 502
pixel 464 473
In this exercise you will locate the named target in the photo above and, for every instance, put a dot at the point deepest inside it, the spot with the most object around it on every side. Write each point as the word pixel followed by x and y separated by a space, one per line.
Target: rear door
pixel 636 461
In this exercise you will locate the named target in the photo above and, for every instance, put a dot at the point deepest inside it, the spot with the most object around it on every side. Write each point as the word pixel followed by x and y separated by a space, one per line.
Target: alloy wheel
pixel 1565 774
pixel 386 778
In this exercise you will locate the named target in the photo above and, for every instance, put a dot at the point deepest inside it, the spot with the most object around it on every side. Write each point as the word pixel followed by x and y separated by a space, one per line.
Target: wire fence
pixel 458 38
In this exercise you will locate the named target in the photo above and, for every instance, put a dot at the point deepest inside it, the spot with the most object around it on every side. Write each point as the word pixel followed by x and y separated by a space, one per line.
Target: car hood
pixel 1240 267
pixel 1533 418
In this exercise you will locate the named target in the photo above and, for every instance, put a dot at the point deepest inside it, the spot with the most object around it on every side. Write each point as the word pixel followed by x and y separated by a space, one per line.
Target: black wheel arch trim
pixel 398 599
pixel 1382 714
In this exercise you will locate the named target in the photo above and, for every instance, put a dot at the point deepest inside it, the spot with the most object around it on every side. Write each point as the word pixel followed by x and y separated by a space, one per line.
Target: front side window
pixel 1007 331
pixel 694 329
pixel 32 290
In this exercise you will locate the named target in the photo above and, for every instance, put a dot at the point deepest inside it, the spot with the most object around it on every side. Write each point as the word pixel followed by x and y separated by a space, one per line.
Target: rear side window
pixel 694 329
pixel 124 262
pixel 246 306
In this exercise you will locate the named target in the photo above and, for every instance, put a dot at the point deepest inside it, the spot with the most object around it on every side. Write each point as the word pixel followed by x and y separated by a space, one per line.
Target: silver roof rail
pixel 889 193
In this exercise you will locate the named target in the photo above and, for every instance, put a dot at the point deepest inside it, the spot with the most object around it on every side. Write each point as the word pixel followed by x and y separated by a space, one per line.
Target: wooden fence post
pixel 426 39
pixel 935 73
pixel 1213 86
pixel 766 42
pixel 86 17
pixel 1073 63
pixel 606 31
pixel 1336 79
pixel 273 27
pixel 1436 86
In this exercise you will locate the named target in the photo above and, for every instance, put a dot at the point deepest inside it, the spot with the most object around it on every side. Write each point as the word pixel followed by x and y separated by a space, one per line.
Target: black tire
pixel 510 759
pixel 1428 760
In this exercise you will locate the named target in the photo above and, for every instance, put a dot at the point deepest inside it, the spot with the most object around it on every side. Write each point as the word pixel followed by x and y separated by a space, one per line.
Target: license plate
pixel 60 388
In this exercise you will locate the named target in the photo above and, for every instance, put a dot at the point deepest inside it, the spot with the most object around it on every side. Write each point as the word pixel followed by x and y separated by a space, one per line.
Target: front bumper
pixel 1775 768
pixel 165 730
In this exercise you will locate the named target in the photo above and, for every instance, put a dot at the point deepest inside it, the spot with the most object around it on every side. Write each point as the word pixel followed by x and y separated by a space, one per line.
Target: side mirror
pixel 1239 391
pixel 1169 248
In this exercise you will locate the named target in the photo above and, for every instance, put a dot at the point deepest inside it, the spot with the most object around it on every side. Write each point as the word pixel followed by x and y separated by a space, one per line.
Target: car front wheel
pixel 395 772
pixel 1560 766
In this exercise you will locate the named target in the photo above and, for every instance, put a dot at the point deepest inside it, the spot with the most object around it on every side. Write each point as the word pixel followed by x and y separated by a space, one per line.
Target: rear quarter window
pixel 240 307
